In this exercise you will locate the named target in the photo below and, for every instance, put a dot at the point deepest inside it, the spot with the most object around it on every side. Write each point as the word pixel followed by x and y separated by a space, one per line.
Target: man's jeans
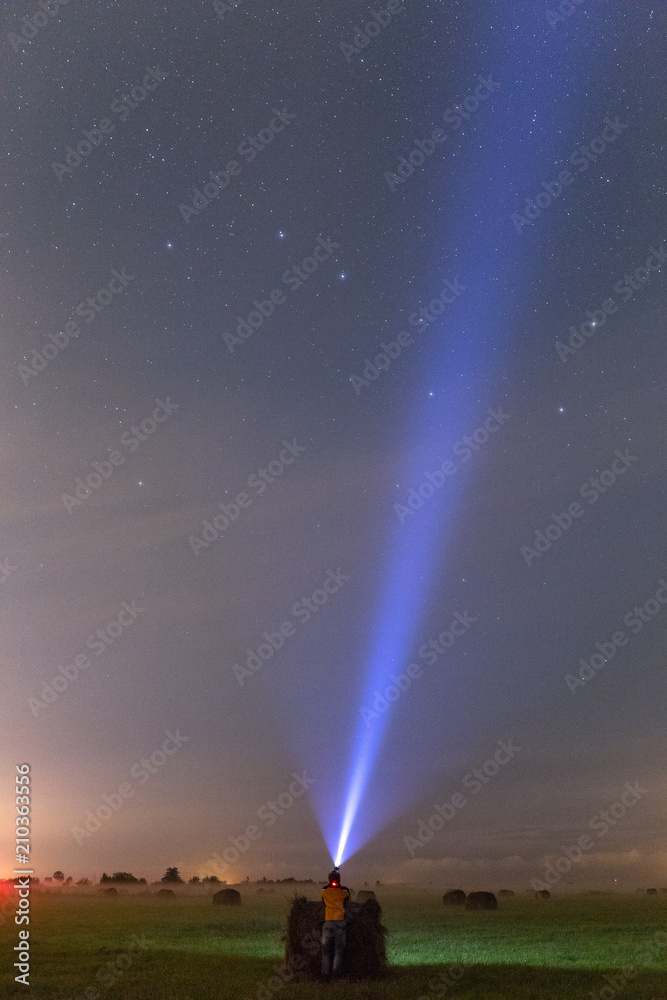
pixel 333 930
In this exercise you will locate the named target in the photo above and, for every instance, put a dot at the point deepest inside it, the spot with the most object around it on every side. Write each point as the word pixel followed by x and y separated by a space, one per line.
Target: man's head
pixel 334 877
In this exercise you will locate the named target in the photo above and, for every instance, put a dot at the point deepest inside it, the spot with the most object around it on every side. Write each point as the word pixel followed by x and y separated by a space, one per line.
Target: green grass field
pixel 190 950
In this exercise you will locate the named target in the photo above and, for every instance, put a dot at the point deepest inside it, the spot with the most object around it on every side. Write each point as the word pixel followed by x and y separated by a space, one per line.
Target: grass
pixel 194 951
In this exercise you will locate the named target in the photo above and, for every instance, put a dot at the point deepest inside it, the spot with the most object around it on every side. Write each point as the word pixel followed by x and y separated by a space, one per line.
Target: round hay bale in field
pixel 167 893
pixel 651 892
pixel 365 894
pixel 481 901
pixel 505 893
pixel 227 897
pixel 455 897
pixel 542 894
pixel 365 955
pixel 261 892
pixel 109 892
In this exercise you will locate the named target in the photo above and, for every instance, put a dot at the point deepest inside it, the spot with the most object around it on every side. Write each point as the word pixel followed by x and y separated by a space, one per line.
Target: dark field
pixel 136 947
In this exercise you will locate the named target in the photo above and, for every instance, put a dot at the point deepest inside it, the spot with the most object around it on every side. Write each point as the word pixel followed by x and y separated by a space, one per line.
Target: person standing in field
pixel 335 897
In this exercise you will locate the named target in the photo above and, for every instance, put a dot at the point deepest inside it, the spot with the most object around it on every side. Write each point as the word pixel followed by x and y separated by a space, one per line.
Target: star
pixel 169 246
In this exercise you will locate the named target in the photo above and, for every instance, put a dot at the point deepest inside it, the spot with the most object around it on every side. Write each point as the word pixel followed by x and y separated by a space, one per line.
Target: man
pixel 336 898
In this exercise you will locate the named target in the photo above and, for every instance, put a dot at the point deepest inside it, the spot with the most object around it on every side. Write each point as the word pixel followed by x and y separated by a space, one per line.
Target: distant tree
pixel 142 881
pixel 59 876
pixel 69 880
pixel 194 880
pixel 83 881
pixel 171 875
pixel 126 878
pixel 48 879
pixel 211 878
pixel 247 878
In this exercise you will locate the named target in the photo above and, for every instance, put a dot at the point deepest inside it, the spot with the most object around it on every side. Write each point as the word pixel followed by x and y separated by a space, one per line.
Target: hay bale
pixel 481 901
pixel 109 892
pixel 455 897
pixel 227 897
pixel 651 892
pixel 542 894
pixel 167 893
pixel 365 955
pixel 505 893
pixel 365 894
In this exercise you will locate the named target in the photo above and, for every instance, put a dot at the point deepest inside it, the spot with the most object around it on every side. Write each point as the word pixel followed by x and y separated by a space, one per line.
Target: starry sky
pixel 214 216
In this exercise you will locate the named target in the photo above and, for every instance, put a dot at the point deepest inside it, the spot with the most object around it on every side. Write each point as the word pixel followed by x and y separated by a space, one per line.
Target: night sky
pixel 214 216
